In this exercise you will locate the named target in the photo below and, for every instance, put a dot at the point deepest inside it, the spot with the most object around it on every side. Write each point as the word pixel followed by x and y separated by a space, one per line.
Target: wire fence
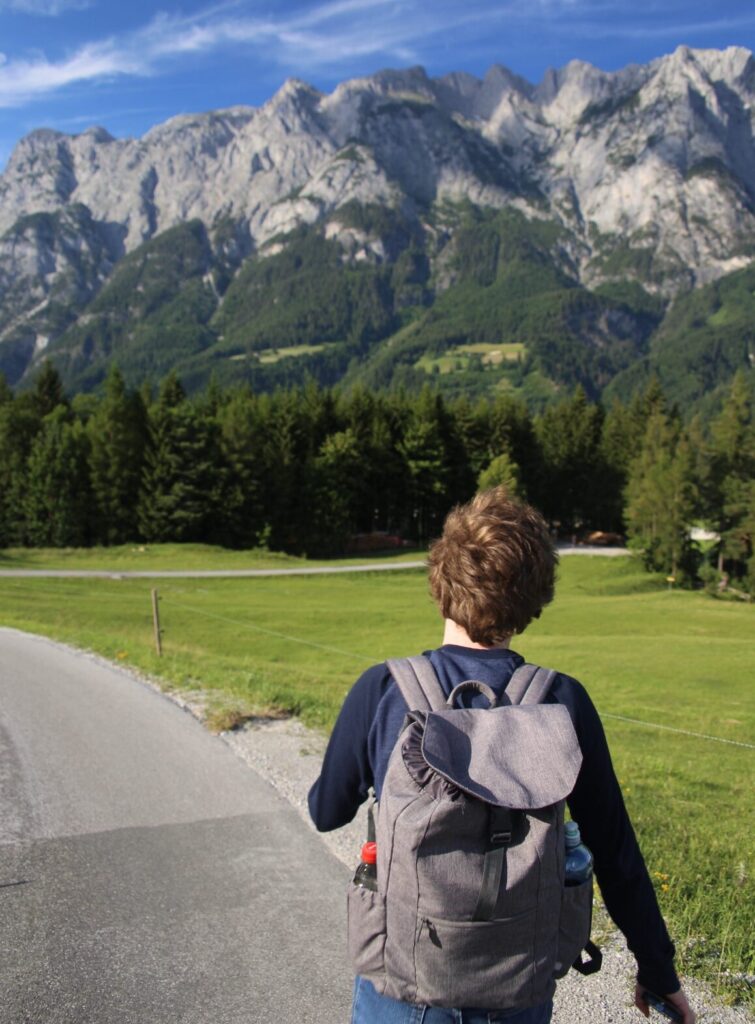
pixel 361 658
pixel 364 658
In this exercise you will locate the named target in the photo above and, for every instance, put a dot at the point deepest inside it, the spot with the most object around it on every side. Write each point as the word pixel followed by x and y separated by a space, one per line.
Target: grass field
pixel 668 660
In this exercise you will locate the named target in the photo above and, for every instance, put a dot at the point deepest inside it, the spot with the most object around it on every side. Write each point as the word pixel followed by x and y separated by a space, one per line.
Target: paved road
pixel 146 874
pixel 225 573
pixel 205 573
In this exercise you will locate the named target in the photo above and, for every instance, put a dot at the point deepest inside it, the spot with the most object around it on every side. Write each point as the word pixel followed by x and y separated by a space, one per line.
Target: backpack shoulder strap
pixel 418 683
pixel 529 684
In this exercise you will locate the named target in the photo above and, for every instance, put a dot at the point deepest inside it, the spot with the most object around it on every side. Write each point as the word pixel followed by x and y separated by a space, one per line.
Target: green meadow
pixel 670 672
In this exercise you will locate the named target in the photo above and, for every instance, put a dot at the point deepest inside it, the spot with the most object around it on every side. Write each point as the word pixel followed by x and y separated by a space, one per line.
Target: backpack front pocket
pixel 475 963
pixel 574 924
pixel 366 929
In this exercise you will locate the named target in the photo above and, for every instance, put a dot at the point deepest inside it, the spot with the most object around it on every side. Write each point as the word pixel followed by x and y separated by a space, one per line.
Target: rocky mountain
pixel 489 232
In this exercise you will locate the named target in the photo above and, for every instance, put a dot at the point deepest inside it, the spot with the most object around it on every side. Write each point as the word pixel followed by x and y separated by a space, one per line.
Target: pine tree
pixel 424 456
pixel 570 487
pixel 620 440
pixel 48 390
pixel 460 478
pixel 20 423
pixel 172 392
pixel 57 499
pixel 336 477
pixel 749 529
pixel 183 478
pixel 286 453
pixel 502 472
pixel 379 494
pixel 212 398
pixel 117 434
pixel 241 440
pixel 511 430
pixel 732 473
pixel 622 435
pixel 661 499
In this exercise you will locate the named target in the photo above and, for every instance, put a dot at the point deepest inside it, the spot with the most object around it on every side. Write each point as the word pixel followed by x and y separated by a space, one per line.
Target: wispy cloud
pixel 326 34
pixel 45 8
pixel 686 29
pixel 24 80
pixel 89 120
pixel 330 35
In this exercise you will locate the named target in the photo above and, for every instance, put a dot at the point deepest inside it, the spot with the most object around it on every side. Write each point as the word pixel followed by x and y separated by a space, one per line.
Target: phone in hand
pixel 662 1006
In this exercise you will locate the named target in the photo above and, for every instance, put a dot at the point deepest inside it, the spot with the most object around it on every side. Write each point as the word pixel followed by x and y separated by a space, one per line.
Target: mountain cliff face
pixel 643 177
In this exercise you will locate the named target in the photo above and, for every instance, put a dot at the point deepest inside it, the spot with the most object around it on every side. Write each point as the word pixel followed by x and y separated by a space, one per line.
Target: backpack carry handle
pixel 472 684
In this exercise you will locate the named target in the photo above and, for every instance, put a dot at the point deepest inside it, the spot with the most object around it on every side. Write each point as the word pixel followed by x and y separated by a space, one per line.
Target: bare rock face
pixel 50 265
pixel 650 171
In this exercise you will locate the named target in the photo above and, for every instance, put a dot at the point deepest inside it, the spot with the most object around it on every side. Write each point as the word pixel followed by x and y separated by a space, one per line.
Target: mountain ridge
pixel 646 174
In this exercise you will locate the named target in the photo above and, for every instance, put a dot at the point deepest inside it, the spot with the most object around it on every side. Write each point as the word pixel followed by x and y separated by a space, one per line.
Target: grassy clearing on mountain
pixel 462 357
pixel 272 355
pixel 660 665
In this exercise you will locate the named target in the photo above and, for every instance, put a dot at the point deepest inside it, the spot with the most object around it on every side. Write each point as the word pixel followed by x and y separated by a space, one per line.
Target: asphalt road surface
pixel 147 875
pixel 319 570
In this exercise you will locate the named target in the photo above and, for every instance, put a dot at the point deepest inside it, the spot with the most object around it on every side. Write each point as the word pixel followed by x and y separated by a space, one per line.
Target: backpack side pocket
pixel 366 930
pixel 574 925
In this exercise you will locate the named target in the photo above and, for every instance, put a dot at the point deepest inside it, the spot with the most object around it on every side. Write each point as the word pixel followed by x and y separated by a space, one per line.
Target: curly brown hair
pixel 493 569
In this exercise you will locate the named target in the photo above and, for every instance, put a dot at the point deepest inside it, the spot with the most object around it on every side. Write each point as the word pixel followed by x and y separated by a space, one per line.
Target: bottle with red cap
pixel 366 873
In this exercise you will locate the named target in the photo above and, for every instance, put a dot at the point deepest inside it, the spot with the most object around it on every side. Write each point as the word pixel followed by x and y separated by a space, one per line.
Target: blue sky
pixel 129 64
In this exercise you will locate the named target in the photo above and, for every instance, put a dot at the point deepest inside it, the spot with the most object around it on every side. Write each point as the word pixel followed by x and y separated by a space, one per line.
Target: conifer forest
pixel 307 470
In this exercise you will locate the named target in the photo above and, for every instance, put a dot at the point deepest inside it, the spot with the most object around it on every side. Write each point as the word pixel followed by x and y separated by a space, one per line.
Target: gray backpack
pixel 471 909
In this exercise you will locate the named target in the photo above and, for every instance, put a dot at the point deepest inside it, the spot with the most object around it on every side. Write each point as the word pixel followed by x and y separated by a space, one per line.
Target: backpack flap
pixel 522 756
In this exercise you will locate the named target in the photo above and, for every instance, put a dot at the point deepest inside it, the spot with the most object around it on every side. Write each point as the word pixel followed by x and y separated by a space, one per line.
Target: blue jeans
pixel 369 1007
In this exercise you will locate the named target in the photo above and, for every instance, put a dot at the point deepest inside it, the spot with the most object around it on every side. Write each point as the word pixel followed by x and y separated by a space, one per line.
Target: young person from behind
pixel 492 572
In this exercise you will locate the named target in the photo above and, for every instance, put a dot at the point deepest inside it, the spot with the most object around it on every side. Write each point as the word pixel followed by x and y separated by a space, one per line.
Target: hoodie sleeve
pixel 597 805
pixel 346 774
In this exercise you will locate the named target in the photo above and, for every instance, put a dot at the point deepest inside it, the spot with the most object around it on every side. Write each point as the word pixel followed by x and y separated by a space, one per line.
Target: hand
pixel 677 999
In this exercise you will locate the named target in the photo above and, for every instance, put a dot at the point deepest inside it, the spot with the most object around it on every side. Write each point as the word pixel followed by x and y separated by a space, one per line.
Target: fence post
pixel 156 623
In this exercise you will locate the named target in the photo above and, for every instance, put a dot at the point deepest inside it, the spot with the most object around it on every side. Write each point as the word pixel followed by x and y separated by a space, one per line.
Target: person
pixel 491 573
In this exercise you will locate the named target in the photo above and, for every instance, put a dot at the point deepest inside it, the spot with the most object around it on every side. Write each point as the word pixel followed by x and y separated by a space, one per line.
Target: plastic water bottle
pixel 366 873
pixel 578 866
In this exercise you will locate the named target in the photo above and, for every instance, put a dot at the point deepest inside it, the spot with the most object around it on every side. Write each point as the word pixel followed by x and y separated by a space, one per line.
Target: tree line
pixel 306 469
